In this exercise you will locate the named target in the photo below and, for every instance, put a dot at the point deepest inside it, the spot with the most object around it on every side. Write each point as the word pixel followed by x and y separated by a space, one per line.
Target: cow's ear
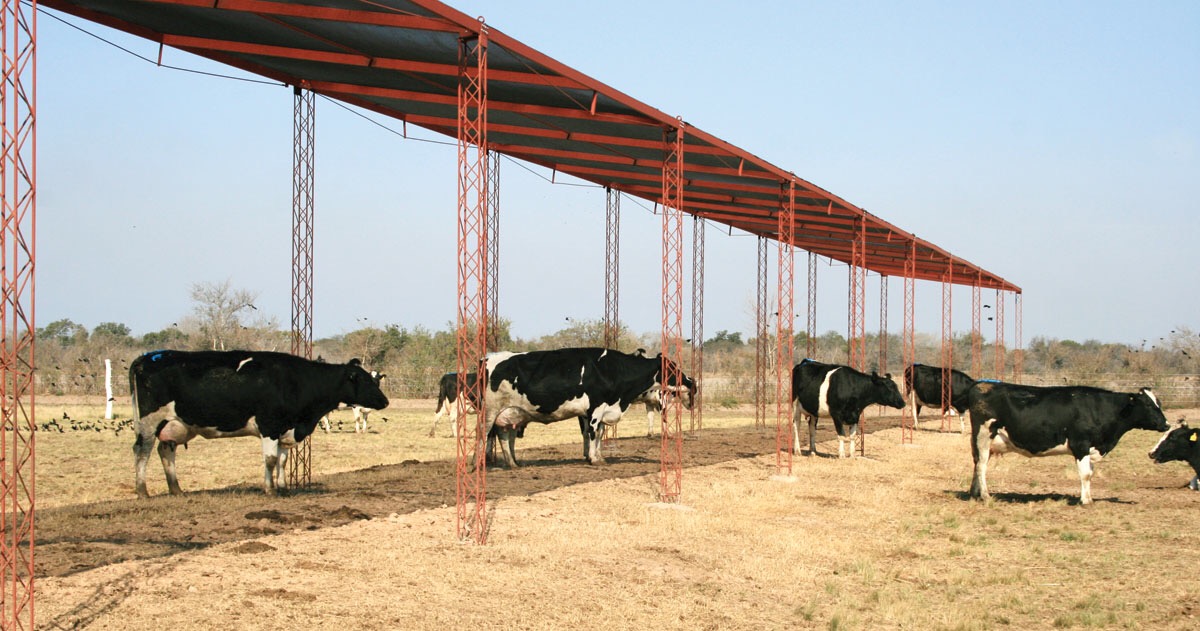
pixel 354 362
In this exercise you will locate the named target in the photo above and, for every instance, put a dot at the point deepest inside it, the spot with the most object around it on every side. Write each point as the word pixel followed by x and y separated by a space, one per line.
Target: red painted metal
pixel 976 332
pixel 18 241
pixel 304 109
pixel 883 327
pixel 671 462
pixel 697 417
pixel 811 347
pixel 612 268
pixel 1018 346
pixel 907 417
pixel 493 248
pixel 1000 351
pixel 471 468
pixel 784 353
pixel 857 336
pixel 761 343
pixel 947 345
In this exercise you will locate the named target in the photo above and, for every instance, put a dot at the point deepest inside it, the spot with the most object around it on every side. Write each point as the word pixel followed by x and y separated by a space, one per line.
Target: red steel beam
pixel 471 468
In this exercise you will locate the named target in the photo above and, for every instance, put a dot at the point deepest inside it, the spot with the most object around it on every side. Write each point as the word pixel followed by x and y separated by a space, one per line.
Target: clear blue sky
pixel 1056 144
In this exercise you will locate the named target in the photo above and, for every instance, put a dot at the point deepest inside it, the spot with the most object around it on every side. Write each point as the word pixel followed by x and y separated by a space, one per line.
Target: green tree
pixel 65 332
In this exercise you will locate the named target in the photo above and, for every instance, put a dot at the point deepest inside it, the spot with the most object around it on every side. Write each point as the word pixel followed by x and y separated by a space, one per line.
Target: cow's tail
pixel 908 381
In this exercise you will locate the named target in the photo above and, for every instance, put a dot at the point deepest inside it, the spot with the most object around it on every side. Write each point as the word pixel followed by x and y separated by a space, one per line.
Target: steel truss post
pixel 858 312
pixel 1000 351
pixel 883 326
pixel 947 343
pixel 1018 346
pixel 304 125
pixel 908 421
pixel 612 268
pixel 976 331
pixel 18 239
pixel 811 328
pixel 473 275
pixel 761 348
pixel 493 249
pixel 671 462
pixel 784 355
pixel 697 419
pixel 304 110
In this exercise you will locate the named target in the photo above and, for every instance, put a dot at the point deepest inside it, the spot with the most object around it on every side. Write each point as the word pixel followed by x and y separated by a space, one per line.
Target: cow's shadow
pixel 1033 498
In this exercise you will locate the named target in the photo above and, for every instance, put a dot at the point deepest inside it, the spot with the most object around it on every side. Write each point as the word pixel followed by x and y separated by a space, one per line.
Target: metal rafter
pixel 299 465
pixel 761 344
pixel 471 471
pixel 785 359
pixel 671 462
pixel 18 231
pixel 697 418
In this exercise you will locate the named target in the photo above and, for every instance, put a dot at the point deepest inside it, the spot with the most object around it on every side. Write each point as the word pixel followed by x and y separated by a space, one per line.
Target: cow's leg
pixel 1086 468
pixel 1195 483
pixel 853 439
pixel 796 413
pixel 981 450
pixel 649 420
pixel 325 423
pixel 270 451
pixel 583 434
pixel 812 434
pixel 455 417
pixel 143 444
pixel 508 447
pixel 360 418
pixel 916 411
pixel 166 453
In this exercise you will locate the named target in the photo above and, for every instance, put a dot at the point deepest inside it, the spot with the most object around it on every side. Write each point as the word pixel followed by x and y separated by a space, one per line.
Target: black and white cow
pixel 178 395
pixel 447 402
pixel 595 385
pixel 840 393
pixel 360 413
pixel 1042 421
pixel 923 387
pixel 1181 443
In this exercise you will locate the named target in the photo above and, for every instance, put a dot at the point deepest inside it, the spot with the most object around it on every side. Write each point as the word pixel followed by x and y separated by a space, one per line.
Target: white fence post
pixel 108 397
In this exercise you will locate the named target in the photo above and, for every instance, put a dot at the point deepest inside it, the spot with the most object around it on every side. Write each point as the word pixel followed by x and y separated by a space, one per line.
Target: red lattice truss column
pixel 17 245
pixel 299 465
pixel 473 197
pixel 612 268
pixel 784 355
pixel 858 313
pixel 908 415
pixel 811 326
pixel 671 461
pixel 999 343
pixel 698 321
pixel 1018 347
pixel 976 331
pixel 947 343
pixel 762 348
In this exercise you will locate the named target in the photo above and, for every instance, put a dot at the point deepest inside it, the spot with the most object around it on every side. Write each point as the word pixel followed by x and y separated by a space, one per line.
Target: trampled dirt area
pixel 82 537
pixel 889 541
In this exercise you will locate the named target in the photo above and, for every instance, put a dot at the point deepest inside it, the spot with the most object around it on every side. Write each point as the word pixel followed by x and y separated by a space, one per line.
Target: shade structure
pixel 400 58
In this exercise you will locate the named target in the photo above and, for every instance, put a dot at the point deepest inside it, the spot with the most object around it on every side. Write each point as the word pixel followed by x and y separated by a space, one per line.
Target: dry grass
pixel 883 542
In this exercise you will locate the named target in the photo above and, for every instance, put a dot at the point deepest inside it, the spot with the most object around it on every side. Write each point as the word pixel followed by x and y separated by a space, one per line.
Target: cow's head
pixel 886 391
pixel 1178 444
pixel 360 387
pixel 1146 412
pixel 682 386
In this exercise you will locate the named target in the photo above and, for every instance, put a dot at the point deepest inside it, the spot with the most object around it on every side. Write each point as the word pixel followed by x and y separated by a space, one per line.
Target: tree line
pixel 71 358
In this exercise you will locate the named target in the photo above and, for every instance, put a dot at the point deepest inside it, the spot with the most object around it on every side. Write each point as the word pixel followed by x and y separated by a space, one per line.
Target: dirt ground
pixel 134 529
pixel 886 541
